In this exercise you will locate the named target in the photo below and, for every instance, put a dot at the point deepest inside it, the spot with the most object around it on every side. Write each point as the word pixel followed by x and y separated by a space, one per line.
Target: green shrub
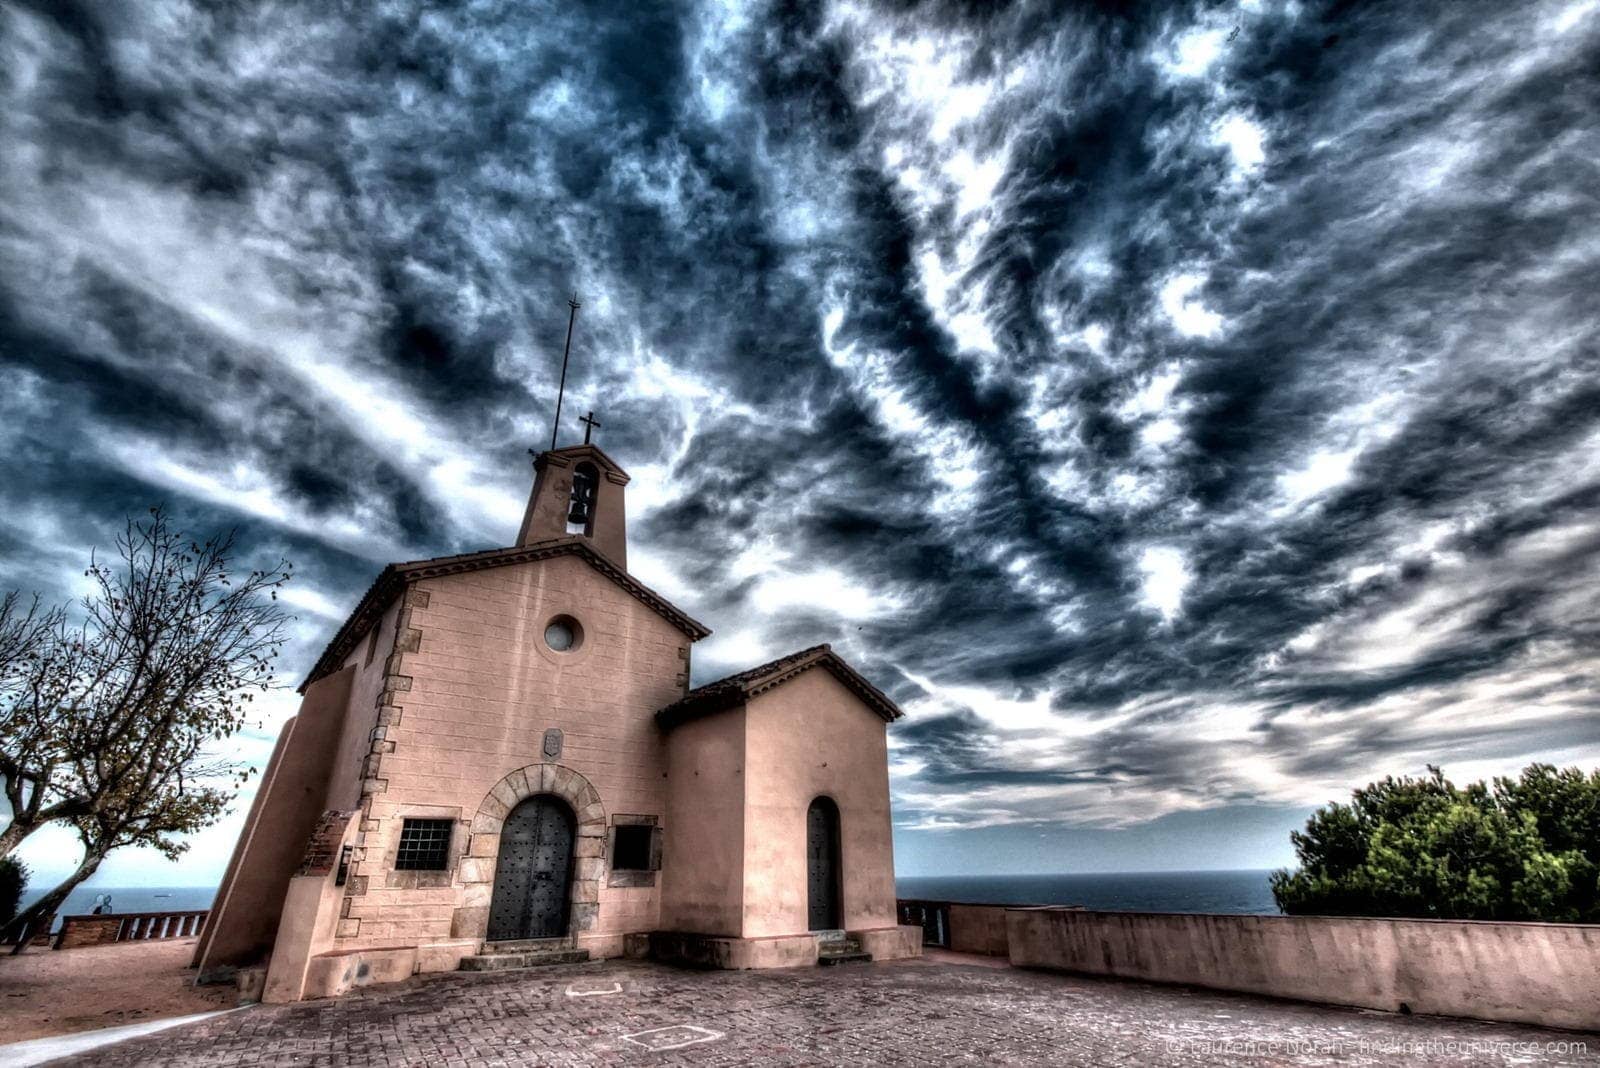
pixel 1516 849
pixel 13 881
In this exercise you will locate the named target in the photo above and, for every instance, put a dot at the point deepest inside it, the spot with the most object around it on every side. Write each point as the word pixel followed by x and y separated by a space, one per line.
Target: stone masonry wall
pixel 468 696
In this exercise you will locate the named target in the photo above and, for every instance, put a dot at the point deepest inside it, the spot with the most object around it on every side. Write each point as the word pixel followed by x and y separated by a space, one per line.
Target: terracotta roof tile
pixel 738 688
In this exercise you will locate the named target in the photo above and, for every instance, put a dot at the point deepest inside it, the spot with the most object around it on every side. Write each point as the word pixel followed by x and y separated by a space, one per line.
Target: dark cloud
pixel 1174 405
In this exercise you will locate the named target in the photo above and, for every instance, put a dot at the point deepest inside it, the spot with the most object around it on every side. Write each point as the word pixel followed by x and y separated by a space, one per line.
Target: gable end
pixel 737 689
pixel 396 577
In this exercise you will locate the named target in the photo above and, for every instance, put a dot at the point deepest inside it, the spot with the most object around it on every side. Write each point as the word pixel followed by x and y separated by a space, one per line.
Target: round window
pixel 563 634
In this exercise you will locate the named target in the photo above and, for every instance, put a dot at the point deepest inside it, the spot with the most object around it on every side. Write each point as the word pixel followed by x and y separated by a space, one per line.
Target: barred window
pixel 424 845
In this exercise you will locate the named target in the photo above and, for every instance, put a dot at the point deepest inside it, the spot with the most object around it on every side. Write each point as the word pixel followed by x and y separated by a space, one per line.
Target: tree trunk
pixel 42 913
pixel 13 835
pixel 29 813
pixel 21 826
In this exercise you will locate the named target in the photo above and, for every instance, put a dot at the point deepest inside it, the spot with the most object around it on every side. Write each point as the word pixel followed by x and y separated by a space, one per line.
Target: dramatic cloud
pixel 1177 407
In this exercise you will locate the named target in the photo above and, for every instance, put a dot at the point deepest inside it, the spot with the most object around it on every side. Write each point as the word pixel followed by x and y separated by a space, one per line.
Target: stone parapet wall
pixel 978 929
pixel 100 929
pixel 961 927
pixel 1547 974
pixel 87 931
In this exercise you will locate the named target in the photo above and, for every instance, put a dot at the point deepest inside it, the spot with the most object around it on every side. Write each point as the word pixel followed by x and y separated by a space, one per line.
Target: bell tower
pixel 578 492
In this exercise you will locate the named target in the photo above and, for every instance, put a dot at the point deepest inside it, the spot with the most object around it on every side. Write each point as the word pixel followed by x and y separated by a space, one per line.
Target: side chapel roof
pixel 736 689
pixel 395 577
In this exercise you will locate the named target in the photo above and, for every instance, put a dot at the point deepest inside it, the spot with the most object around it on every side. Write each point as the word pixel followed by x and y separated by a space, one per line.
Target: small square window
pixel 424 845
pixel 631 848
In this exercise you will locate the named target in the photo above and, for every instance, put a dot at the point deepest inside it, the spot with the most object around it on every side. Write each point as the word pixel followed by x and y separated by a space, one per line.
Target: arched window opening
pixel 580 511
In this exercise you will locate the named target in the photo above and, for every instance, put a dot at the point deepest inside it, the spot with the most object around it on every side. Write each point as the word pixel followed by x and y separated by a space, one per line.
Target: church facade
pixel 498 762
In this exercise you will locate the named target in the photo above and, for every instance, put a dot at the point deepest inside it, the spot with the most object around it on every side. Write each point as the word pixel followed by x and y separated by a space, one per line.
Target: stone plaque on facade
pixel 552 743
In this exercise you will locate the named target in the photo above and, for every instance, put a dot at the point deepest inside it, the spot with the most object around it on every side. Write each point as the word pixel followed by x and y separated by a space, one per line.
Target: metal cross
pixel 590 424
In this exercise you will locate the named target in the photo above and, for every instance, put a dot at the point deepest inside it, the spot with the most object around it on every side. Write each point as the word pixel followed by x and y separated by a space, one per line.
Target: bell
pixel 579 515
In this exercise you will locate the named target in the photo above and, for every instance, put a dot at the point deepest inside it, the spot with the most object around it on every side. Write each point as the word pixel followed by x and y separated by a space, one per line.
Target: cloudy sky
pixel 1188 412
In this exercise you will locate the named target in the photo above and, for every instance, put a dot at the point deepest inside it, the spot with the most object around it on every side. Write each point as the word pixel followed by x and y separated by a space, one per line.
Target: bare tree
pixel 23 635
pixel 33 644
pixel 172 651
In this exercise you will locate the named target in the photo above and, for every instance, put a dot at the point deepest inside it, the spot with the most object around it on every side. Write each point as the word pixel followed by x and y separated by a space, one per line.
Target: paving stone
pixel 911 1013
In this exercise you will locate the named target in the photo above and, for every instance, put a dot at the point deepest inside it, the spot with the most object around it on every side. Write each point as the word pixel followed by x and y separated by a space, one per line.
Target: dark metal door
pixel 532 875
pixel 822 864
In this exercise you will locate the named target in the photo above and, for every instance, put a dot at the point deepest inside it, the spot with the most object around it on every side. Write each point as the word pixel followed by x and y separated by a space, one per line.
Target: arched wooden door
pixel 822 865
pixel 533 874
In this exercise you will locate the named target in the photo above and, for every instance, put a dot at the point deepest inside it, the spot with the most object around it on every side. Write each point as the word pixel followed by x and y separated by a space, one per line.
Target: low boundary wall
pixel 1538 973
pixel 960 926
pixel 100 929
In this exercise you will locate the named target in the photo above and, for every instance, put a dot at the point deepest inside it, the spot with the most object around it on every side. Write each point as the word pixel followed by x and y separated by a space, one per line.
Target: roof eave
pixel 681 712
pixel 366 614
pixel 717 698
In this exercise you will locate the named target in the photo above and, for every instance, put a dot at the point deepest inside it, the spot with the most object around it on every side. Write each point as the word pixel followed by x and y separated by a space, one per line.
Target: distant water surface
pixel 1237 892
pixel 126 899
pixel 1240 892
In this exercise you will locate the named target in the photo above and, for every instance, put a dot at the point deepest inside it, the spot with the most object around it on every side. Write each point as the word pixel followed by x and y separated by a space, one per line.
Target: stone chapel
pixel 498 762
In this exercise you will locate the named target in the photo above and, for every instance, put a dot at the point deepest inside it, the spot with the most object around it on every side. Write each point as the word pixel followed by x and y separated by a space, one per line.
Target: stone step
pixel 503 962
pixel 527 945
pixel 841 949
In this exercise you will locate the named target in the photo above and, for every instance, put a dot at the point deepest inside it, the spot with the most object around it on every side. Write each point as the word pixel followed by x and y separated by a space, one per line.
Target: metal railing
pixel 932 916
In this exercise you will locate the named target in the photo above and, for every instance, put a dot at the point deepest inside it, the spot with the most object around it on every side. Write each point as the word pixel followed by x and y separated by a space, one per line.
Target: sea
pixel 1239 892
pixel 127 899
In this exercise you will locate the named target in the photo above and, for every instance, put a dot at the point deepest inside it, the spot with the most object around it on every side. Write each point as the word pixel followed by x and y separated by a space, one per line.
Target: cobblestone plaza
pixel 938 1011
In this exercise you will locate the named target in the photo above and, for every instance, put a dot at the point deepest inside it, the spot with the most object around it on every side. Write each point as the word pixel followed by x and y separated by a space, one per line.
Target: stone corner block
pixel 585 915
pixel 476 870
pixel 469 922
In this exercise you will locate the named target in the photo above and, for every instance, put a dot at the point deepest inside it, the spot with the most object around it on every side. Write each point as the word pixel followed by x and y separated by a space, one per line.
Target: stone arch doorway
pixel 478 869
pixel 533 874
pixel 822 865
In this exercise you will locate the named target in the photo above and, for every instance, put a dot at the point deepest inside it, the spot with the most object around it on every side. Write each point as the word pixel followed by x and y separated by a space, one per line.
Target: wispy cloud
pixel 1181 408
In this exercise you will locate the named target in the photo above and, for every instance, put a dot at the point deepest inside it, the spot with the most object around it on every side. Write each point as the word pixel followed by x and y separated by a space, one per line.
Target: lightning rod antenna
pixel 566 354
